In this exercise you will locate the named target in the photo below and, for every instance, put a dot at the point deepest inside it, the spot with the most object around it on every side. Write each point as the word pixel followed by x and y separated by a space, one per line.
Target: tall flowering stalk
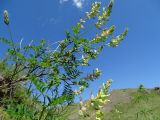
pixel 96 103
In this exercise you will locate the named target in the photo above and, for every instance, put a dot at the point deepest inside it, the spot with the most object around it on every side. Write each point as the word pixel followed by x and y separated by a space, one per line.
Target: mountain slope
pixel 128 104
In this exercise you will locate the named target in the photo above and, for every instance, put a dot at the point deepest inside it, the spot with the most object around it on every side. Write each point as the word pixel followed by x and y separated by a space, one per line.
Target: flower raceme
pixel 6 17
pixel 96 103
pixel 105 14
pixel 94 10
pixel 96 73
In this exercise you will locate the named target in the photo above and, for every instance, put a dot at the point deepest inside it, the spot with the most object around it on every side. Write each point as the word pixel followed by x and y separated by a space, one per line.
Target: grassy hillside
pixel 125 104
pixel 129 104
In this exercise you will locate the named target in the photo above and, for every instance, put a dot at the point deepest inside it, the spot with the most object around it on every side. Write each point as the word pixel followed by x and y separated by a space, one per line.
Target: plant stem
pixel 41 114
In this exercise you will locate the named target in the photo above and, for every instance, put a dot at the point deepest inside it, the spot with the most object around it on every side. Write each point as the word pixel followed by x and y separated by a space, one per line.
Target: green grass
pixel 143 105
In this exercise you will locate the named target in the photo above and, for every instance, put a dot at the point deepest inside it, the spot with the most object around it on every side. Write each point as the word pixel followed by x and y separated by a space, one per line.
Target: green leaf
pixel 76 28
pixel 21 56
pixel 44 64
pixel 11 52
pixel 43 42
pixel 4 40
pixel 59 100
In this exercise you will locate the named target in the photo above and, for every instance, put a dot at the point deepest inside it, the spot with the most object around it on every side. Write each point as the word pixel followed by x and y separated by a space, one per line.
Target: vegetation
pixel 144 105
pixel 127 104
pixel 95 103
pixel 39 81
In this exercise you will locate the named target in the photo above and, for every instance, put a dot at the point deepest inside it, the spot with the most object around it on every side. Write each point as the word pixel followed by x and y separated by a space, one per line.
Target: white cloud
pixel 77 3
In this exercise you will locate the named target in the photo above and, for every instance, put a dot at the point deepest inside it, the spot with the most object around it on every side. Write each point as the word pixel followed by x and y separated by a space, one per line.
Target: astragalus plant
pixel 40 80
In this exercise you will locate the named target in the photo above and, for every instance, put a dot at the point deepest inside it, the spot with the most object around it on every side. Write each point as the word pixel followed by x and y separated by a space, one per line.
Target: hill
pixel 128 104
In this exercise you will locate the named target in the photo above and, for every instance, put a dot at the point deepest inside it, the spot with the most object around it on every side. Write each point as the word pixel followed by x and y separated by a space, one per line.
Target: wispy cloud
pixel 77 3
pixel 43 22
pixel 62 1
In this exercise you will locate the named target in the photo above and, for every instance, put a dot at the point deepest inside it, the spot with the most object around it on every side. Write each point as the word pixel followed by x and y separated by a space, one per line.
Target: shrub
pixel 32 75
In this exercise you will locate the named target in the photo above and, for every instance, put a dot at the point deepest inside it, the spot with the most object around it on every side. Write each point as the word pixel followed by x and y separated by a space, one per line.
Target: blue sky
pixel 135 61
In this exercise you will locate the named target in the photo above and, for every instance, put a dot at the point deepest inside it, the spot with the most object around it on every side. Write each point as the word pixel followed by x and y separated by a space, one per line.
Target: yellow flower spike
pixel 97 102
pixel 6 17
pixel 94 10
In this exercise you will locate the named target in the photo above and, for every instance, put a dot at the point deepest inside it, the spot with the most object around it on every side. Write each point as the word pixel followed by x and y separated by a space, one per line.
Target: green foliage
pixel 38 81
pixel 4 115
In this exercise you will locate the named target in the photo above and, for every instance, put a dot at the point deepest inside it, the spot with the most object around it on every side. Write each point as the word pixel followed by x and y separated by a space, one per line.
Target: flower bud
pixel 6 17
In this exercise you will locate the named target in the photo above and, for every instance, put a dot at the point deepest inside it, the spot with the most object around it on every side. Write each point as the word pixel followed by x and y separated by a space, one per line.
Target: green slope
pixel 143 105
pixel 129 104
